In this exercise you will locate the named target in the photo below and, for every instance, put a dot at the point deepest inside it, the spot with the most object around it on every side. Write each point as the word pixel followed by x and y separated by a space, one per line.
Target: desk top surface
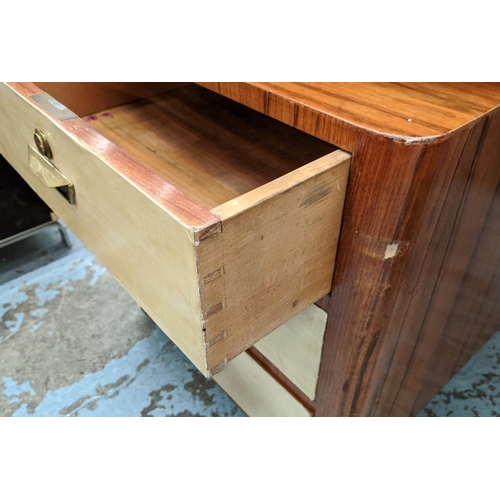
pixel 401 110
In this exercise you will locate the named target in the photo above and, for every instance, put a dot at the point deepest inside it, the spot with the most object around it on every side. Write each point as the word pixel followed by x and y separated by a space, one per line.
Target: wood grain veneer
pixel 84 98
pixel 336 112
pixel 416 289
pixel 211 148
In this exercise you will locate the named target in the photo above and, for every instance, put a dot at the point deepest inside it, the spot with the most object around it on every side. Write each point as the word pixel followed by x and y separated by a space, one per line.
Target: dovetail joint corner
pixel 207 232
pixel 218 368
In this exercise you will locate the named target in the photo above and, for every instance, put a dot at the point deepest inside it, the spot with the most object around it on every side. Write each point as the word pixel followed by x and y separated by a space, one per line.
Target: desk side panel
pixel 416 289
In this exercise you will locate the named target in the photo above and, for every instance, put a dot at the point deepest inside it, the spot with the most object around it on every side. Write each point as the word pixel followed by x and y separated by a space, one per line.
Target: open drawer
pixel 222 223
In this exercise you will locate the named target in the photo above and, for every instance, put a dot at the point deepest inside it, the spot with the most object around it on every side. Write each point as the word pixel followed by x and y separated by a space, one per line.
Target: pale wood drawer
pixel 295 348
pixel 256 392
pixel 203 212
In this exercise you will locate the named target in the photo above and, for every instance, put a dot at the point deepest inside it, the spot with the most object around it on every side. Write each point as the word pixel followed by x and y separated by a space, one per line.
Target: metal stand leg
pixel 64 233
pixel 26 234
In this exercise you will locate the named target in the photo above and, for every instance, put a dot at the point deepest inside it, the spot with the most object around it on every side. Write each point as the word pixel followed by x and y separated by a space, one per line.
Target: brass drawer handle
pixel 50 175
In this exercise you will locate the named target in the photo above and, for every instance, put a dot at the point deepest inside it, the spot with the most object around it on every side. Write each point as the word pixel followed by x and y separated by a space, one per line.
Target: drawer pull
pixel 42 143
pixel 50 175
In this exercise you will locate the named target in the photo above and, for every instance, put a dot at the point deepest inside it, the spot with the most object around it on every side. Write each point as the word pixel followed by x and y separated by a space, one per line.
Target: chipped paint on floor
pixel 475 390
pixel 74 343
pixel 153 379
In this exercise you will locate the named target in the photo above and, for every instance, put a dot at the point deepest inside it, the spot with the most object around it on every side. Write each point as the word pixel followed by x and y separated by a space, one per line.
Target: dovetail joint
pixel 215 309
pixel 218 368
pixel 212 276
pixel 219 337
pixel 209 231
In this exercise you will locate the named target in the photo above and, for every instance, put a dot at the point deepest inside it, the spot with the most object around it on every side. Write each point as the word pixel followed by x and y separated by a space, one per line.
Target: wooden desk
pixel 415 288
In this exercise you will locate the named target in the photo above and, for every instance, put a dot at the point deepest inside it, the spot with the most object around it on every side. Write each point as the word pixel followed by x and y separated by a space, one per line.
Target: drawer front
pixel 279 246
pixel 256 392
pixel 216 282
pixel 295 348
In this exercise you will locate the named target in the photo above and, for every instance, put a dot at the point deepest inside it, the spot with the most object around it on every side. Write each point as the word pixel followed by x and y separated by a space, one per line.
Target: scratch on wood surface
pixel 391 251
pixel 383 248
pixel 415 141
pixel 318 194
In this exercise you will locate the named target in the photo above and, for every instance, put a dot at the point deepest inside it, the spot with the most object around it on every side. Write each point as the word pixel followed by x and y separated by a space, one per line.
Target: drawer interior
pixel 210 147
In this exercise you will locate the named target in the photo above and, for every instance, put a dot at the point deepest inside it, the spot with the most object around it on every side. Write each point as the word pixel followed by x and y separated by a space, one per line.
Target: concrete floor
pixel 73 343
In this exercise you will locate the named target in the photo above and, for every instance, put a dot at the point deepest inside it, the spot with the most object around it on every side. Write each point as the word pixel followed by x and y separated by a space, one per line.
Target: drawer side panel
pixel 149 251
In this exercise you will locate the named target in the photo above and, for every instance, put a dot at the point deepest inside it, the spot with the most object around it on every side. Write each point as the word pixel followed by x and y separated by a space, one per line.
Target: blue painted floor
pixel 73 343
pixel 475 390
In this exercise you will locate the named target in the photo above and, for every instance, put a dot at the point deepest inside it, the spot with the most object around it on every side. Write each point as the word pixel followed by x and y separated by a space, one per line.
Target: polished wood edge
pixel 260 359
pixel 336 130
pixel 186 210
